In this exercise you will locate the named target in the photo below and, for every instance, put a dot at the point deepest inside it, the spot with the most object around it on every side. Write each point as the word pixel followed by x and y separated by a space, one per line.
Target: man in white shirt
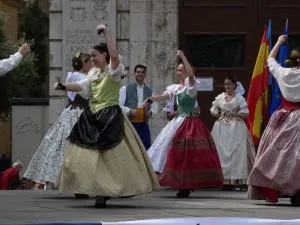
pixel 6 65
pixel 132 97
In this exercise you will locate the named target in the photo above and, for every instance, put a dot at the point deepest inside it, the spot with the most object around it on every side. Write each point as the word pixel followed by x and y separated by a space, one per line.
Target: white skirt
pixel 159 149
pixel 46 163
pixel 234 146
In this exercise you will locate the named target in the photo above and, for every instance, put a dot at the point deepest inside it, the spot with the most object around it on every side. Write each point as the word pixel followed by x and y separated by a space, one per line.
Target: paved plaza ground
pixel 37 206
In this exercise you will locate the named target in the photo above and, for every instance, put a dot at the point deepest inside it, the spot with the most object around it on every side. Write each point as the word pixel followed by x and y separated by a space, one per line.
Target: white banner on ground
pixel 208 221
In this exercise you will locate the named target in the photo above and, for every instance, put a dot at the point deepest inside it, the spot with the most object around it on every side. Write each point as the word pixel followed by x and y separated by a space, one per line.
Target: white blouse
pixel 169 107
pixel 236 104
pixel 288 80
pixel 73 77
pixel 191 90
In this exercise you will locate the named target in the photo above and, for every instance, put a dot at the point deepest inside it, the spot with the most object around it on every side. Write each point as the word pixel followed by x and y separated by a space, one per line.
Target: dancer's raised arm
pixel 187 66
pixel 276 47
pixel 112 48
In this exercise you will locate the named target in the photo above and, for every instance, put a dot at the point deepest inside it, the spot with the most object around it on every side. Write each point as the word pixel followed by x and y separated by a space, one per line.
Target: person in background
pixel 10 178
pixel 46 163
pixel 132 97
pixel 230 133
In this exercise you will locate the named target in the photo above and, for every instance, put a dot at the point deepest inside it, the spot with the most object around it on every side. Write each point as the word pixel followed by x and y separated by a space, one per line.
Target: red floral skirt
pixel 192 161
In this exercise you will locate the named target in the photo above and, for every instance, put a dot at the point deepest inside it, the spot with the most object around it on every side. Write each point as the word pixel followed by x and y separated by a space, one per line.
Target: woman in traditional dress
pixel 46 163
pixel 230 133
pixel 184 154
pixel 276 168
pixel 106 157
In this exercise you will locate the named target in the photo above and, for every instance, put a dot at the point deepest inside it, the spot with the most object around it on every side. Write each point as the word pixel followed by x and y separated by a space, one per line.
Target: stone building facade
pixel 145 32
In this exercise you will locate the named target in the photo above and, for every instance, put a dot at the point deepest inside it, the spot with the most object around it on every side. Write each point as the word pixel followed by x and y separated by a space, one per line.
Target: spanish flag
pixel 258 92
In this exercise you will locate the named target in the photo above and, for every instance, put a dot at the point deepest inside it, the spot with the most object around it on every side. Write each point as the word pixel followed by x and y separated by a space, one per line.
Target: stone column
pixel 153 42
pixel 123 30
pixel 57 100
pixel 73 28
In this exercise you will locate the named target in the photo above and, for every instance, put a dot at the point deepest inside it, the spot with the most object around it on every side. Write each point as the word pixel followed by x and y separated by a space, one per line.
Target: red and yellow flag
pixel 258 92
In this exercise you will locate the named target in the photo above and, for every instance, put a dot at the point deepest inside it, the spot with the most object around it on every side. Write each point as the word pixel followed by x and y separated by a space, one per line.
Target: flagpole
pixel 270 35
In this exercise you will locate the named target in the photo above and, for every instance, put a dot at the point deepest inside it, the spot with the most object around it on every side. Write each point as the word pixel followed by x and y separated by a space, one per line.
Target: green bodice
pixel 186 104
pixel 105 93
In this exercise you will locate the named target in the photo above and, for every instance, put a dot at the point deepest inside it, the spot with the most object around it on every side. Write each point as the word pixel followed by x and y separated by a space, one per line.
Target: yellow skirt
pixel 122 171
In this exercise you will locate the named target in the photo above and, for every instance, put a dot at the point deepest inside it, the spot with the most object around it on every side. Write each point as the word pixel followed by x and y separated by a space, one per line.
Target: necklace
pixel 229 97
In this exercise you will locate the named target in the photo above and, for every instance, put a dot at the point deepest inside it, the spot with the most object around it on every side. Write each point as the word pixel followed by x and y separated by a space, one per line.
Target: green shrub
pixel 23 81
pixel 34 25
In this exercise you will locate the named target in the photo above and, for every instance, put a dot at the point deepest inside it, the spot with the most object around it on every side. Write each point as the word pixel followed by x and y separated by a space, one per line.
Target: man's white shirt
pixel 6 65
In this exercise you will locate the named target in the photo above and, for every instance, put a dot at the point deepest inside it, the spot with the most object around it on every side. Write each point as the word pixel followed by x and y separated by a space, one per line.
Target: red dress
pixel 192 159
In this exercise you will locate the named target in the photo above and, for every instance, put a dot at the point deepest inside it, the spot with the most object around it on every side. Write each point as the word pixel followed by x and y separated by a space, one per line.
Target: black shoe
pixel 81 196
pixel 101 202
pixel 295 200
pixel 183 194
pixel 227 187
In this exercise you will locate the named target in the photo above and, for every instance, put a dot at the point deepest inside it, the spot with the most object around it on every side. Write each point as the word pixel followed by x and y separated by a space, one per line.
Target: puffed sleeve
pixel 171 90
pixel 276 69
pixel 215 109
pixel 243 106
pixel 118 72
pixel 169 107
pixel 192 90
pixel 85 84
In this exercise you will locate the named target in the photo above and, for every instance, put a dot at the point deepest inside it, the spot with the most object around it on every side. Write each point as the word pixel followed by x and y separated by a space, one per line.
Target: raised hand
pixel 282 39
pixel 56 87
pixel 24 49
pixel 101 28
pixel 179 53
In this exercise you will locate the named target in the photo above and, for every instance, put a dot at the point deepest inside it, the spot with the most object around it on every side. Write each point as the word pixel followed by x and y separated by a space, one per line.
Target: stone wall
pixel 145 32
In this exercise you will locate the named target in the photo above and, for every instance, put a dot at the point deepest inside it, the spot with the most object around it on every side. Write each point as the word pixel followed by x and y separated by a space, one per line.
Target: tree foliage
pixel 34 25
pixel 23 81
